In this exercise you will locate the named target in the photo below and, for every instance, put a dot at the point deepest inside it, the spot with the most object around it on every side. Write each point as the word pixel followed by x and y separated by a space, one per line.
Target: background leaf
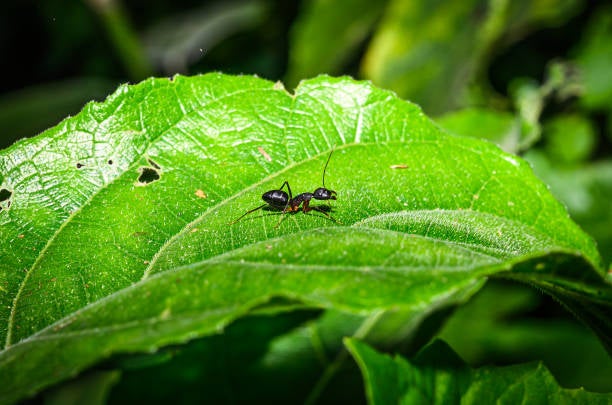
pixel 431 52
pixel 116 237
pixel 593 57
pixel 437 375
pixel 326 35
pixel 504 324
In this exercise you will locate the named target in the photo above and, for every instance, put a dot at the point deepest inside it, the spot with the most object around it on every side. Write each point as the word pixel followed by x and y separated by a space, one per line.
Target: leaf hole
pixel 5 194
pixel 148 175
pixel 153 164
pixel 110 161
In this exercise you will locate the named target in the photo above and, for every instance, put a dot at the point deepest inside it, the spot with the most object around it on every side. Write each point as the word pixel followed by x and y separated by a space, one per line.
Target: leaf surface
pixel 116 232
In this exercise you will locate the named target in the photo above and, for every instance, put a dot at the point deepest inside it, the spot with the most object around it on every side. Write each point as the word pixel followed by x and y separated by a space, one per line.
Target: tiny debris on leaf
pixel 264 153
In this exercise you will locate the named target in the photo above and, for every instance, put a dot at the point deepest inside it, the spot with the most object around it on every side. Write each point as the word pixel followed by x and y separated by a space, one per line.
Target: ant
pixel 280 200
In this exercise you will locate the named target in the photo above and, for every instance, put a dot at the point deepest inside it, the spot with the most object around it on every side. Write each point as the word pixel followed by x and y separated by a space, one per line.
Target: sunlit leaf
pixel 117 231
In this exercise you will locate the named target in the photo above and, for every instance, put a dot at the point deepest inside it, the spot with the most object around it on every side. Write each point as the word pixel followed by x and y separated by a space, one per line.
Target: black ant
pixel 280 200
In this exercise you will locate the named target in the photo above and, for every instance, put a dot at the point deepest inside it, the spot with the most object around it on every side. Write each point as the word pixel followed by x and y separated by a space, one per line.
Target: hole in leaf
pixel 153 164
pixel 110 161
pixel 148 175
pixel 5 194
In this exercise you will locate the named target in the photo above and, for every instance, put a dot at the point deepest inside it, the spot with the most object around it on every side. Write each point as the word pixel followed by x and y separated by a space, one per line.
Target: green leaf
pixel 438 376
pixel 326 34
pixel 249 360
pixel 594 56
pixel 431 52
pixel 499 127
pixel 116 232
pixel 586 190
pixel 498 326
pixel 569 138
pixel 92 388
pixel 518 133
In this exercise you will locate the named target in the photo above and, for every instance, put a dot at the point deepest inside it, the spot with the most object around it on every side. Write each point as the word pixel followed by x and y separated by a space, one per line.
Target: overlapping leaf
pixel 116 235
pixel 438 376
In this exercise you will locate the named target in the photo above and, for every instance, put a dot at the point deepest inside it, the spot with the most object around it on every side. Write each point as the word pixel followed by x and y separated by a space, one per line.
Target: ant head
pixel 324 194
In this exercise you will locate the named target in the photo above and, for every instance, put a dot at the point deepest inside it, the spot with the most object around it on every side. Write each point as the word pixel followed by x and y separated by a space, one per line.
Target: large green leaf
pixel 438 376
pixel 115 224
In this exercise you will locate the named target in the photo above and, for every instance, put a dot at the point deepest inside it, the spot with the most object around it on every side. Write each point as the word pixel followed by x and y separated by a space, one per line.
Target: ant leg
pixel 324 213
pixel 292 206
pixel 247 213
pixel 281 219
pixel 286 183
pixel 290 200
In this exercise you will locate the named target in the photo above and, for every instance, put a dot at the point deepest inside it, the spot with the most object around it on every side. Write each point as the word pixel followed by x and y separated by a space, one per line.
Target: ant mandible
pixel 280 200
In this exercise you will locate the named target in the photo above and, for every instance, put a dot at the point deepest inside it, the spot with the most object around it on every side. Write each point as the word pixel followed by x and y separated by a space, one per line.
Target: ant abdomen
pixel 276 198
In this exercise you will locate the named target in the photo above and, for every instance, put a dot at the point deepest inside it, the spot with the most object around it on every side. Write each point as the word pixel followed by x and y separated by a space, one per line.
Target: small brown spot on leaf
pixel 194 230
pixel 401 166
pixel 79 165
pixel 21 236
pixel 201 194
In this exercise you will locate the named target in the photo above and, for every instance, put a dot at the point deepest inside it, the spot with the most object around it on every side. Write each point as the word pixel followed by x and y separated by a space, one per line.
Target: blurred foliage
pixel 327 35
pixel 500 325
pixel 594 56
pixel 532 76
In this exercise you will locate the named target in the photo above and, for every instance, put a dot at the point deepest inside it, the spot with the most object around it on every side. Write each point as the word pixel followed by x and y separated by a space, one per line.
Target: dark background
pixel 59 54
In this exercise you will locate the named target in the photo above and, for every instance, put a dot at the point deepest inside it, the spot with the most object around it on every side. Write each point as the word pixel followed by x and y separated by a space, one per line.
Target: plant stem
pixel 123 38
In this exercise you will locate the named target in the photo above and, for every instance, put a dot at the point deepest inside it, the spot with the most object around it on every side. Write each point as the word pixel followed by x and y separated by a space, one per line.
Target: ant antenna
pixel 325 168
